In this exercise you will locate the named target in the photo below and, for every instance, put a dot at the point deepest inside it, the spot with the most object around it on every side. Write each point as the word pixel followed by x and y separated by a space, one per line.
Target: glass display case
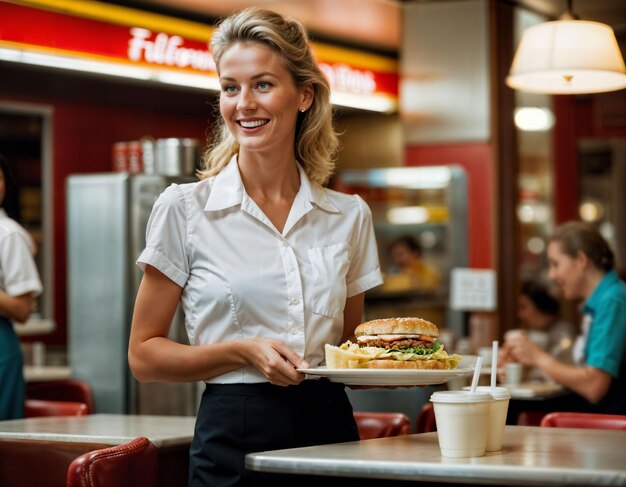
pixel 420 221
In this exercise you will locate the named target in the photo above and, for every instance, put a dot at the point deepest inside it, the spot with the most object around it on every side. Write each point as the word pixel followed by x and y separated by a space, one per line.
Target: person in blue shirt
pixel 583 265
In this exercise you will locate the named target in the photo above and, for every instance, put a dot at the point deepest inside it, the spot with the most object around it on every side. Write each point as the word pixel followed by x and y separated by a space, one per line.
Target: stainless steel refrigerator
pixel 107 217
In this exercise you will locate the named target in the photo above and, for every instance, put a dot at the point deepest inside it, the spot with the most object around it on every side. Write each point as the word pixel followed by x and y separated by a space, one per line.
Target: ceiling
pixel 376 23
pixel 353 21
pixel 612 12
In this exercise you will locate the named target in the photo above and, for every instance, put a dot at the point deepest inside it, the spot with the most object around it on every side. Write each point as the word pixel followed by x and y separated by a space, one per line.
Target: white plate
pixel 388 377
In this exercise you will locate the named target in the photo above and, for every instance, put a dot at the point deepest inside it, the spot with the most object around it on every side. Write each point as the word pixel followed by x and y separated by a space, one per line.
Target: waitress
pixel 268 264
pixel 19 284
pixel 583 266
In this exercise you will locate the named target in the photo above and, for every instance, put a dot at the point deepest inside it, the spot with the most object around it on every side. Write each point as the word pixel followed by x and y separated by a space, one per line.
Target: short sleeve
pixel 166 237
pixel 18 267
pixel 606 344
pixel 364 272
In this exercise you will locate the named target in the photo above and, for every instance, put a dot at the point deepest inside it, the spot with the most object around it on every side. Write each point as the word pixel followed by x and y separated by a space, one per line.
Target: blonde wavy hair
pixel 316 142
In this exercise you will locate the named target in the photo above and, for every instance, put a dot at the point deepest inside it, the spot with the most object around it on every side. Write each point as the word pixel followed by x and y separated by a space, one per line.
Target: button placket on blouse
pixel 295 308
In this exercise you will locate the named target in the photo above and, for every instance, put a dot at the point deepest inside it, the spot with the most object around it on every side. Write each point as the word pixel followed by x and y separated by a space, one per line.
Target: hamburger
pixel 392 343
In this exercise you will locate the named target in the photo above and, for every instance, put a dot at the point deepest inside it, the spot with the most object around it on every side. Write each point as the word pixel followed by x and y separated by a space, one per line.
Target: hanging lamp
pixel 568 56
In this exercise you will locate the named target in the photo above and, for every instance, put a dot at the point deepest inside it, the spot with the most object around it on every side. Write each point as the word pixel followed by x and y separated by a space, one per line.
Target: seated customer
pixel 582 265
pixel 406 255
pixel 539 312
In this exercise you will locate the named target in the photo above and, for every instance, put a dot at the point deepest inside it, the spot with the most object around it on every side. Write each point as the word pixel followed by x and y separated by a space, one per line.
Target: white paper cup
pixel 513 372
pixel 513 333
pixel 487 354
pixel 462 422
pixel 497 415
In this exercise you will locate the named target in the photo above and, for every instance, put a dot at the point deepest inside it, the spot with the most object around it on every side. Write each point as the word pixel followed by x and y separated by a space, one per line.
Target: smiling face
pixel 259 100
pixel 566 271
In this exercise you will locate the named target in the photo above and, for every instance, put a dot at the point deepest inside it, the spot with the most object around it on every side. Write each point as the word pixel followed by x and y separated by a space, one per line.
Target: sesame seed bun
pixel 397 326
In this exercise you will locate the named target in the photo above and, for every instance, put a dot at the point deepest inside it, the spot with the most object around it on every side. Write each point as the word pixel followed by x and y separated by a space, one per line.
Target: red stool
pixel 382 425
pixel 584 420
pixel 133 463
pixel 72 390
pixel 425 422
pixel 34 408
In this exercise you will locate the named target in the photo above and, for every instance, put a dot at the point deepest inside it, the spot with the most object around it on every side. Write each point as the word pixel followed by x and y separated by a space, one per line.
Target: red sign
pixel 167 50
pixel 46 31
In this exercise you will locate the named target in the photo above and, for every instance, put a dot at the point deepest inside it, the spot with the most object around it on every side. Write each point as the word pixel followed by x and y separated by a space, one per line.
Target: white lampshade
pixel 566 57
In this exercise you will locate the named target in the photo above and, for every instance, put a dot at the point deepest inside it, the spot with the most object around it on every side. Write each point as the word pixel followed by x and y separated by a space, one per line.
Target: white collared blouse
pixel 18 272
pixel 241 278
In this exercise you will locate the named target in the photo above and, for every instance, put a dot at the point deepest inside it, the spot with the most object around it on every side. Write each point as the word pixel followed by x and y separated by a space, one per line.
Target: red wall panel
pixel 477 160
pixel 83 135
pixel 599 116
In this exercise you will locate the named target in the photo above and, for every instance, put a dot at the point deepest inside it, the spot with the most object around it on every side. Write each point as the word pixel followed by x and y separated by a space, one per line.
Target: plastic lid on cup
pixel 498 393
pixel 460 397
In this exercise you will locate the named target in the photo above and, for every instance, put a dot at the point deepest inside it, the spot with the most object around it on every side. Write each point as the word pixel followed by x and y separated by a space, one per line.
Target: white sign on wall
pixel 473 289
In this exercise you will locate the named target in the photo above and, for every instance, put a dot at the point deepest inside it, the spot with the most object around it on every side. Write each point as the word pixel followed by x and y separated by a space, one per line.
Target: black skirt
pixel 237 419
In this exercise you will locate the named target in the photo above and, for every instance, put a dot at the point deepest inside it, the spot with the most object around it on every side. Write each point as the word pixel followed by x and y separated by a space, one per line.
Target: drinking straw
pixel 477 367
pixel 494 363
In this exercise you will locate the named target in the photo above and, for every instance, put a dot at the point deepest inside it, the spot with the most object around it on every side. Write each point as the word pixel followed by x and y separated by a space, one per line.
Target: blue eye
pixel 229 89
pixel 263 85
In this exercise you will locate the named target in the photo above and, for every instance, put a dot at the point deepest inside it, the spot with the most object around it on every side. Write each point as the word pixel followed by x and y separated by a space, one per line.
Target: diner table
pixel 537 391
pixel 38 451
pixel 530 456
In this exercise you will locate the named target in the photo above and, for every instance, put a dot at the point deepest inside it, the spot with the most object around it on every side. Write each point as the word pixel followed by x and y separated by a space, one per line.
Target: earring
pixel 302 110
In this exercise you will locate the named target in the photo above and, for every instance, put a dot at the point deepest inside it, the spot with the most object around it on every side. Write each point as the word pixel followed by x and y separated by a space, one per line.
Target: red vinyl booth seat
pixel 425 422
pixel 35 408
pixel 584 420
pixel 131 464
pixel 71 390
pixel 382 425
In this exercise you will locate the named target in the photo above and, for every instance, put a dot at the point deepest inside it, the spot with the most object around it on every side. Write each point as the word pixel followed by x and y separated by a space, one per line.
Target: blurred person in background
pixel 539 312
pixel 267 264
pixel 407 258
pixel 582 265
pixel 19 284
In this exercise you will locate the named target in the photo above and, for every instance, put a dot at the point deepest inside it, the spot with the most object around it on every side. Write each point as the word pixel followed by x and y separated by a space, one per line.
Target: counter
pixel 35 326
pixel 44 373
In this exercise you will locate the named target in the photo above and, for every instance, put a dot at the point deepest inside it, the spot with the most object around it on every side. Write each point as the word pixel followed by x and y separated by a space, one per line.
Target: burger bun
pixel 405 364
pixel 397 326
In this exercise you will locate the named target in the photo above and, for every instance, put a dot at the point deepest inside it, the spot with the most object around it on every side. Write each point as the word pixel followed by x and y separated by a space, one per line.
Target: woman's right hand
pixel 276 360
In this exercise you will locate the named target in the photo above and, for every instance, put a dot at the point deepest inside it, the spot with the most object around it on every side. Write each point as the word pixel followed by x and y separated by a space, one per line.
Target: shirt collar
pixel 227 190
pixel 606 282
pixel 314 193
